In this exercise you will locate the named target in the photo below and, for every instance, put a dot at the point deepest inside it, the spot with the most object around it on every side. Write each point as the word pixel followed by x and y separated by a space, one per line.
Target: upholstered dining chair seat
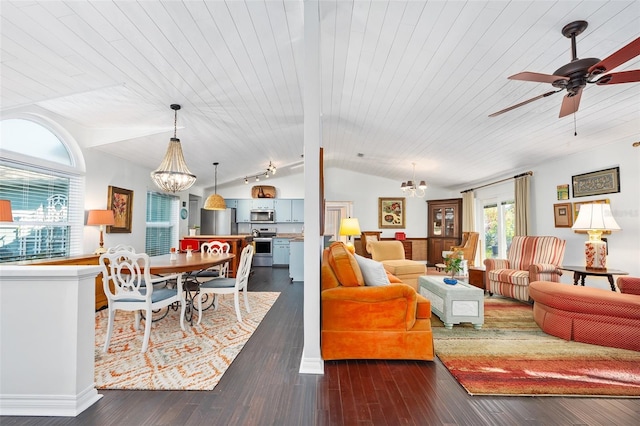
pixel 219 283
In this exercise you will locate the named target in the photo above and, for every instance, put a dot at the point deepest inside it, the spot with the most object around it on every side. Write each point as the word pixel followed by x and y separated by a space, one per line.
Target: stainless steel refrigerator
pixel 218 222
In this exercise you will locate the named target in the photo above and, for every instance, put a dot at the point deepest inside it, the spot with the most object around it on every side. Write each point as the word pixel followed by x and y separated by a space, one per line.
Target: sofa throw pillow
pixel 373 272
pixel 345 266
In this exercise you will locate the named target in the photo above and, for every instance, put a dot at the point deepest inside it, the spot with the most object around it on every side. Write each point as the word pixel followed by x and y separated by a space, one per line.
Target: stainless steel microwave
pixel 262 216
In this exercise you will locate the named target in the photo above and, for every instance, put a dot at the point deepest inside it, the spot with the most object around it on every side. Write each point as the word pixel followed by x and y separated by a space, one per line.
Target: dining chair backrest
pixel 127 271
pixel 215 247
pixel 244 268
pixel 218 247
pixel 121 247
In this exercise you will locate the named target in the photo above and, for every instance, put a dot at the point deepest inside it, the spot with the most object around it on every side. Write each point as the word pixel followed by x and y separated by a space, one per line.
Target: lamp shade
pixel 5 211
pixel 349 226
pixel 595 217
pixel 100 217
pixel 215 202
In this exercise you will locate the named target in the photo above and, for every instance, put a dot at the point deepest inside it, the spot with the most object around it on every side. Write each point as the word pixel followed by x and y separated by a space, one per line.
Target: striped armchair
pixel 529 259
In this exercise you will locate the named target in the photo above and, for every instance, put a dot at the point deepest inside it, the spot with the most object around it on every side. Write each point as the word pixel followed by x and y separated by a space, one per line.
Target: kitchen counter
pixel 290 235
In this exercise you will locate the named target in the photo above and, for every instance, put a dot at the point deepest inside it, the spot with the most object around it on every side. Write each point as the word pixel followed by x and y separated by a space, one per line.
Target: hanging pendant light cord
pixel 175 124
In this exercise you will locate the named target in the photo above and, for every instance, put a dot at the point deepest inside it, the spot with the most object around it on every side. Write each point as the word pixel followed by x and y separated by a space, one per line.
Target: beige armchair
pixel 468 246
pixel 391 255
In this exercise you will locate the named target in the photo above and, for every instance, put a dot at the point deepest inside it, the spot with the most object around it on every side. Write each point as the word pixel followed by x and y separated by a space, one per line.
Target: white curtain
pixel 468 211
pixel 523 215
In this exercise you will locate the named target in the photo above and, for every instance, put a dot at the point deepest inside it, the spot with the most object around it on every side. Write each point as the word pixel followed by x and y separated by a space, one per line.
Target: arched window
pixel 40 176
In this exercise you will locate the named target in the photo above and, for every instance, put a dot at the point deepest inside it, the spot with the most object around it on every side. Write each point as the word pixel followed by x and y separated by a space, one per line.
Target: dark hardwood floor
pixel 263 387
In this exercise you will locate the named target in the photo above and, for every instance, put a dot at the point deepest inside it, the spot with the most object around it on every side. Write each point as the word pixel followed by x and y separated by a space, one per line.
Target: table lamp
pixel 101 218
pixel 349 227
pixel 595 219
pixel 5 211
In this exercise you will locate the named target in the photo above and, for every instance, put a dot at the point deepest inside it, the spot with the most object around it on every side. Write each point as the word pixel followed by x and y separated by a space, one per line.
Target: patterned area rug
pixel 194 359
pixel 510 355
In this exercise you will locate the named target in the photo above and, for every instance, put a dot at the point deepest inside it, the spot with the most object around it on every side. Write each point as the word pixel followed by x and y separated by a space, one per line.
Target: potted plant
pixel 453 265
pixel 194 231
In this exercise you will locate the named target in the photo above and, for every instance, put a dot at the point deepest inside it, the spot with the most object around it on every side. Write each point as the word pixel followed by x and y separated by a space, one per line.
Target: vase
pixel 192 232
pixel 450 281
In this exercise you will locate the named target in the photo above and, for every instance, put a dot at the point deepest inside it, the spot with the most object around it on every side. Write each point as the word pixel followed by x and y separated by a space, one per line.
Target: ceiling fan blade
pixel 618 57
pixel 544 95
pixel 537 77
pixel 570 104
pixel 632 76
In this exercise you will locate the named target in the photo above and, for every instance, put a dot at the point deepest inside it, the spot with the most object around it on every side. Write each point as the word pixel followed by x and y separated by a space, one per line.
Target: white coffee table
pixel 453 304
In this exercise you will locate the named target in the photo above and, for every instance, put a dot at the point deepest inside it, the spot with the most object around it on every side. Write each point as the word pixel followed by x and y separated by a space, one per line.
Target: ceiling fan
pixel 574 76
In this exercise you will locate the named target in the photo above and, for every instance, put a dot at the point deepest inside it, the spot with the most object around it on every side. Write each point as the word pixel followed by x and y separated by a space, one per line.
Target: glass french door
pixel 499 227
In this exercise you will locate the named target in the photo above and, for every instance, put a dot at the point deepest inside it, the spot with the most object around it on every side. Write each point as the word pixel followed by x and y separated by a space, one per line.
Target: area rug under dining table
pixel 510 355
pixel 194 359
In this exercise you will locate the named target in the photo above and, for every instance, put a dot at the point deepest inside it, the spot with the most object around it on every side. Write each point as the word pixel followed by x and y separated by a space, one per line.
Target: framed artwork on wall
pixel 562 215
pixel 121 202
pixel 391 212
pixel 563 192
pixel 596 183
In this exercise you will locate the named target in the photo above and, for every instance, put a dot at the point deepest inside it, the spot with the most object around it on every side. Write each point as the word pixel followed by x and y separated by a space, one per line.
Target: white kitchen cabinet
pixel 297 210
pixel 296 260
pixel 243 210
pixel 232 203
pixel 280 251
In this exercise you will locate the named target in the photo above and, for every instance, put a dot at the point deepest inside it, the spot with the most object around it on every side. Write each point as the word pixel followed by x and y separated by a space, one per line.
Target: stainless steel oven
pixel 263 255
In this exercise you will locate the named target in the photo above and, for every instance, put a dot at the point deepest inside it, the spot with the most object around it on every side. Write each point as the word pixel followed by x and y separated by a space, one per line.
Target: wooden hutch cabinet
pixel 444 227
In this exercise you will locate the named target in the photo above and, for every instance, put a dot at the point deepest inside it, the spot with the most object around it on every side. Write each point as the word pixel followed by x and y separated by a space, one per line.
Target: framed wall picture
pixel 121 202
pixel 596 183
pixel 562 215
pixel 563 192
pixel 391 212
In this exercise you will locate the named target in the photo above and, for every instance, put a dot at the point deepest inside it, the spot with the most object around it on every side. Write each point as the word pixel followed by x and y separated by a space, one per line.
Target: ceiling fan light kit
pixel 173 175
pixel 574 76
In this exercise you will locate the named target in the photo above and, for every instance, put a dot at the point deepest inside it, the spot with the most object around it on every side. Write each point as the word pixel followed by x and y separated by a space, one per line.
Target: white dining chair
pixel 233 286
pixel 218 271
pixel 128 274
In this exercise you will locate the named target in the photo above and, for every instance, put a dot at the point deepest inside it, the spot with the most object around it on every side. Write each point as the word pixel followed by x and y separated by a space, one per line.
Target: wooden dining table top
pixel 164 265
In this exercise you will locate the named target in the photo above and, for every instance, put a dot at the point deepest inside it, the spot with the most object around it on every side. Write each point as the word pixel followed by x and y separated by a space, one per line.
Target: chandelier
pixel 271 169
pixel 411 189
pixel 173 175
pixel 215 201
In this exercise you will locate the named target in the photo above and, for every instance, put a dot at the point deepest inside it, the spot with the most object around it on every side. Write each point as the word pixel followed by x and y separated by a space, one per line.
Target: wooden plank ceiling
pixel 402 82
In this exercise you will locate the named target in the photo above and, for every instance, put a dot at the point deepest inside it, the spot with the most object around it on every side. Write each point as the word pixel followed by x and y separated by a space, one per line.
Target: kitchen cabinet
pixel 231 203
pixel 243 210
pixel 444 227
pixel 297 210
pixel 281 251
pixel 282 210
pixel 262 203
pixel 296 260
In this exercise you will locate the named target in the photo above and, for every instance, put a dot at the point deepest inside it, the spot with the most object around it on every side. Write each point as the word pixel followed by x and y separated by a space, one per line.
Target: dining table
pixel 184 263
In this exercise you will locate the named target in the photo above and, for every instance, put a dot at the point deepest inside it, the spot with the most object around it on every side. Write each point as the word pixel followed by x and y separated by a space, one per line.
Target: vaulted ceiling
pixel 402 82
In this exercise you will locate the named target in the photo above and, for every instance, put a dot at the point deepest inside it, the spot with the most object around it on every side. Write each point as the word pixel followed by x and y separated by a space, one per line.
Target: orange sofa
pixel 587 314
pixel 391 321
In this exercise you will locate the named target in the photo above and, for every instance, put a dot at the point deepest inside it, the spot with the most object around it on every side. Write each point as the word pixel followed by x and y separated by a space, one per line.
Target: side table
pixel 476 276
pixel 581 272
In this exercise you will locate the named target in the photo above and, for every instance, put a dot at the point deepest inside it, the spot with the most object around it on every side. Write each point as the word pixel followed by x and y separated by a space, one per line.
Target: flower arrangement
pixel 453 263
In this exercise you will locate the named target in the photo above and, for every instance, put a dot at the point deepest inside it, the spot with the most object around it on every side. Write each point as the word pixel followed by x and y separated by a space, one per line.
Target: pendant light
pixel 215 201
pixel 173 175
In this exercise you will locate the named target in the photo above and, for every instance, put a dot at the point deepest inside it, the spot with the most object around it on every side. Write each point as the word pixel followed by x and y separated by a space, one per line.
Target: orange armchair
pixel 362 322
pixel 468 246
pixel 629 285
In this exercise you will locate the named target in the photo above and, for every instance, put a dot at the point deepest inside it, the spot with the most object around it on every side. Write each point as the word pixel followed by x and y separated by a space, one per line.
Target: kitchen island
pixel 237 243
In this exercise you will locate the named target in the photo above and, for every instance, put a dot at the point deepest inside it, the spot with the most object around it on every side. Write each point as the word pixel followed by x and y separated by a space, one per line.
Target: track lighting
pixel 271 170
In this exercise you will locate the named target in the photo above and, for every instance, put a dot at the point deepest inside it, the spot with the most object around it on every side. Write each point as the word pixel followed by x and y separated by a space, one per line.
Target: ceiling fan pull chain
pixel 575 130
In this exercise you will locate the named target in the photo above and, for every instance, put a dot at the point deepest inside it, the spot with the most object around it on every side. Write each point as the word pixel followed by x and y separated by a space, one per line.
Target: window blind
pixel 162 223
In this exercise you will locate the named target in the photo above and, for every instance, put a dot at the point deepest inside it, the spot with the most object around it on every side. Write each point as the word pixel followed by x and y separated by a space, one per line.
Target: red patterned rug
pixel 510 355
pixel 194 359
